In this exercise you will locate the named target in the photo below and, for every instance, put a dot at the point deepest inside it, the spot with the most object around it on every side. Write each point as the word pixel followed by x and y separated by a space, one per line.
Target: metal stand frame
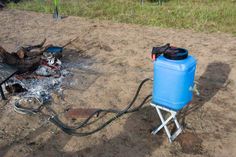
pixel 165 122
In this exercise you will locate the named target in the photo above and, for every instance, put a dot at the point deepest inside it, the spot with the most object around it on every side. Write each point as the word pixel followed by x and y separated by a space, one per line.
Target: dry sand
pixel 113 59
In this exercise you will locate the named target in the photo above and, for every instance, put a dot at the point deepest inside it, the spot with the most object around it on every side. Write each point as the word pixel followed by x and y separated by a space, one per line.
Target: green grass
pixel 199 15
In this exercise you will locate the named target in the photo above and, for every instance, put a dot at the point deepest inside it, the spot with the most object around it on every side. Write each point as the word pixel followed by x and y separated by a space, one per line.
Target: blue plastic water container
pixel 173 82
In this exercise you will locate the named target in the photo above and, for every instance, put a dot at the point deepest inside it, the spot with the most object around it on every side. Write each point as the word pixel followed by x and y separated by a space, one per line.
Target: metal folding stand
pixel 165 122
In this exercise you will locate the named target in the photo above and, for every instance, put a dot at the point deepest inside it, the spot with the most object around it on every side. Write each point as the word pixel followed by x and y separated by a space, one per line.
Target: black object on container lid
pixel 169 52
pixel 176 53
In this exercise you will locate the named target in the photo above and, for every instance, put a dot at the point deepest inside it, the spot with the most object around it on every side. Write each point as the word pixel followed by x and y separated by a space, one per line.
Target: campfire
pixel 32 73
pixel 38 71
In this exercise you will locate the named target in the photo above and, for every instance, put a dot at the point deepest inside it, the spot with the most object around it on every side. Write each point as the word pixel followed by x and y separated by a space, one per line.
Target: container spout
pixel 194 89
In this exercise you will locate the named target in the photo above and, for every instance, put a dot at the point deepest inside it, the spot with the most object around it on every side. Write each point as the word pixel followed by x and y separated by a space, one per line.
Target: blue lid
pixel 54 49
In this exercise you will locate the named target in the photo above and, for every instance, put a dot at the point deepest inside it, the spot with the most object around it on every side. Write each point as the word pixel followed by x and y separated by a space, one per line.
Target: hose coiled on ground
pixel 118 113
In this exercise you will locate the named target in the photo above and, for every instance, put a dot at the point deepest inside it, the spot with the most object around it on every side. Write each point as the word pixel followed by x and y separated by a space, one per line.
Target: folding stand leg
pixel 165 122
pixel 178 131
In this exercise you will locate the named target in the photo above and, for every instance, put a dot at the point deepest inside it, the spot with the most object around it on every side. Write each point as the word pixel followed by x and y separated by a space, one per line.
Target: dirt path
pixel 112 59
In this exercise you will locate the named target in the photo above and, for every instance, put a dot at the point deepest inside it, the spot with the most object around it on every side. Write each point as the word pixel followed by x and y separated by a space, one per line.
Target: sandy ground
pixel 113 60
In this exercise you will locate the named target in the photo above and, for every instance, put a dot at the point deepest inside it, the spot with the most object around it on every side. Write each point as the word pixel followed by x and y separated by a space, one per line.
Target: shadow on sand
pixel 213 79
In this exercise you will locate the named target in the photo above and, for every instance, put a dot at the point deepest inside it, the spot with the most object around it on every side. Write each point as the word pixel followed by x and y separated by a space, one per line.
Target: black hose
pixel 74 130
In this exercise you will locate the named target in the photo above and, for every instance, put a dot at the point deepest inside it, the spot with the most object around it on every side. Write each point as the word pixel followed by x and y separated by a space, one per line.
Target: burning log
pixel 23 64
pixel 25 58
pixel 30 51
pixel 21 53
pixel 8 58
pixel 34 52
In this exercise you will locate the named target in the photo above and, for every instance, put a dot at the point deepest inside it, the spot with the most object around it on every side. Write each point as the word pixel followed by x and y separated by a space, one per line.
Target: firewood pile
pixel 25 58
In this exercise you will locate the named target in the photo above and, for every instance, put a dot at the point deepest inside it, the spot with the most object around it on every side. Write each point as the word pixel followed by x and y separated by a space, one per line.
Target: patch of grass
pixel 199 15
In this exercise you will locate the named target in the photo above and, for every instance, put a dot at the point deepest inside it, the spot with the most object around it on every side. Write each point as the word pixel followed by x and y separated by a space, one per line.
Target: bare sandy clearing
pixel 113 59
